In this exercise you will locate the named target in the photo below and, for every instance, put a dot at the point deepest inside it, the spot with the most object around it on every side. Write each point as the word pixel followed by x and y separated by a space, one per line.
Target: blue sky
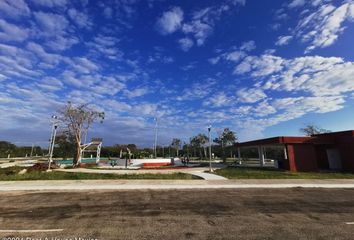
pixel 261 68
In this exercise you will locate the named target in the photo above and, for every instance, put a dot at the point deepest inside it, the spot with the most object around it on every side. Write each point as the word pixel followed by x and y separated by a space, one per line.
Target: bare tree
pixel 311 129
pixel 78 120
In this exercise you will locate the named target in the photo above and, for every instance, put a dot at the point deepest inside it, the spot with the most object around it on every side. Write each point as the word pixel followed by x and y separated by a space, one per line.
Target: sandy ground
pixel 181 214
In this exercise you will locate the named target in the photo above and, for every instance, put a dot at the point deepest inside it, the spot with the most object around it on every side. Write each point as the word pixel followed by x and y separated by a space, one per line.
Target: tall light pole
pixel 156 129
pixel 52 139
pixel 209 133
pixel 32 150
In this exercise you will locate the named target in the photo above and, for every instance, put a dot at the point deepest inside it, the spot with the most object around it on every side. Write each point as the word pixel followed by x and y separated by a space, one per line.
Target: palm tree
pixel 226 138
pixel 176 143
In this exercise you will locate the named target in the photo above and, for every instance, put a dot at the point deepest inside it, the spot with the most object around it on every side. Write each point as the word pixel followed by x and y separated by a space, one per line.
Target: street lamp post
pixel 32 150
pixel 209 133
pixel 155 145
pixel 52 139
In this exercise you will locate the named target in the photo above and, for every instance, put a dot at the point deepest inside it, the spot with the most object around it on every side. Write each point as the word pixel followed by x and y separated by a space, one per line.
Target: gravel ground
pixel 180 214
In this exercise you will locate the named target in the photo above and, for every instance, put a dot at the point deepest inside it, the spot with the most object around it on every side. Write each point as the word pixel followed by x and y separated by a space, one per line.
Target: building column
pixel 285 153
pixel 261 155
pixel 290 158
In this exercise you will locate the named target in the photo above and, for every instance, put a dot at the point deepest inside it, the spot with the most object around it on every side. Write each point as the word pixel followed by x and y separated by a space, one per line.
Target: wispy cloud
pixel 283 40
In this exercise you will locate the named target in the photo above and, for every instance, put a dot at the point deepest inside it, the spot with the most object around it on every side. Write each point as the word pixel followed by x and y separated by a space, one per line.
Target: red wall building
pixel 328 151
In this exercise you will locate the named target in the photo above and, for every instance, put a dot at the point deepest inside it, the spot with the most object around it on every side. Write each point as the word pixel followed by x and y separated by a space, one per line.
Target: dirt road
pixel 180 214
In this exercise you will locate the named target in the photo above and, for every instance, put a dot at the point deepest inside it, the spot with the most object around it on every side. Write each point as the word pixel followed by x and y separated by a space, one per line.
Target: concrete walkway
pixel 18 163
pixel 208 176
pixel 199 171
pixel 76 185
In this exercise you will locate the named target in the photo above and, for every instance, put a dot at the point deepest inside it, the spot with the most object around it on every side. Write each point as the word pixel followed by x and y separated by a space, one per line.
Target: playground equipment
pixel 94 146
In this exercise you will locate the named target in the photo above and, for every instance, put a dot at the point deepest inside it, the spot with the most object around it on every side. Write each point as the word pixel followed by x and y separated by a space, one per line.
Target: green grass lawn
pixel 258 173
pixel 11 174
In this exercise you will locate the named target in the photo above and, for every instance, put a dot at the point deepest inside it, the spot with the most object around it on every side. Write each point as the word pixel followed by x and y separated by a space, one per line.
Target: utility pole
pixel 209 133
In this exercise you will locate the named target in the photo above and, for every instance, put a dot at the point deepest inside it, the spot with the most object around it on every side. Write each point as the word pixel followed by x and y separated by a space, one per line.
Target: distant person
pixel 184 161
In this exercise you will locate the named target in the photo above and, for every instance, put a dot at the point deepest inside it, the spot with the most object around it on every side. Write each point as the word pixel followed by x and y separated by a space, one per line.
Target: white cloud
pixel 283 40
pixel 264 109
pixel 105 46
pixel 319 2
pixel 185 44
pixel 189 66
pixel 159 57
pixel 170 21
pixel 214 60
pixel 235 56
pixel 106 85
pixel 14 8
pixel 285 109
pixel 106 41
pixel 145 109
pixel 51 3
pixel 199 27
pixel 55 28
pixel 50 84
pixel 51 23
pixel 16 62
pixel 250 95
pixel 316 75
pixel 302 105
pixel 259 66
pixel 199 30
pixel 218 100
pixel 248 46
pixel 60 43
pixel 315 84
pixel 197 90
pixel 107 12
pixel 48 58
pixel 12 33
pixel 81 19
pixel 280 15
pixel 296 3
pixel 323 27
pixel 70 79
pixel 138 92
pixel 269 51
pixel 118 106
pixel 84 65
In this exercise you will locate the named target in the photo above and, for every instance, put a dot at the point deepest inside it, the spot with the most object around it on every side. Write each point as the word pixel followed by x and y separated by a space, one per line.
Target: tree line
pixel 78 119
pixel 8 149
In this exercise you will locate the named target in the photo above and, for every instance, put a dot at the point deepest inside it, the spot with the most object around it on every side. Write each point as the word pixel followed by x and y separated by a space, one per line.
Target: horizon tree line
pixel 77 120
